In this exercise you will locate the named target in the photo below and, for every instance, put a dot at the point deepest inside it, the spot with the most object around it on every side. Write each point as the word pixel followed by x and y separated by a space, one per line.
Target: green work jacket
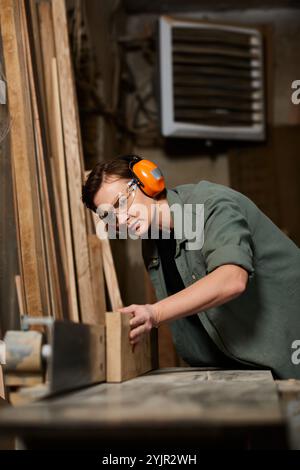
pixel 261 326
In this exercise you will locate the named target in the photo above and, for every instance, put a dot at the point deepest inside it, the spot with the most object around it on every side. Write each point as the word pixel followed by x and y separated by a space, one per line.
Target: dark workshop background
pixel 114 49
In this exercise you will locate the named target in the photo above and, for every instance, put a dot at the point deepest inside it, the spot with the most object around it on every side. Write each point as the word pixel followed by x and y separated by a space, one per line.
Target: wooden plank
pixel 20 295
pixel 54 294
pixel 21 285
pixel 59 225
pixel 22 145
pixel 74 159
pixel 9 313
pixel 57 124
pixel 122 361
pixel 2 389
pixel 31 7
pixel 97 278
pixel 108 265
pixel 111 276
pixel 38 223
pixel 2 361
pixel 48 53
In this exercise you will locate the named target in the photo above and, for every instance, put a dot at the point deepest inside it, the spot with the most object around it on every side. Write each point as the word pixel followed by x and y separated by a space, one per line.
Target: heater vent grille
pixel 212 80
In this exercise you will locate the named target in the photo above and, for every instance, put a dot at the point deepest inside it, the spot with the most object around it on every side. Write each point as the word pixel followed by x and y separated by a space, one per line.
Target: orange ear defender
pixel 148 176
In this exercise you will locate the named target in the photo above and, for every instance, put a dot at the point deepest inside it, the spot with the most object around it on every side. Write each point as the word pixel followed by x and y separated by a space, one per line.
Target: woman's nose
pixel 122 218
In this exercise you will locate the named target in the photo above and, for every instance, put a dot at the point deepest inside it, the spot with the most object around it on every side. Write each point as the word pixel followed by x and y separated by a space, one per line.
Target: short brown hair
pixel 118 167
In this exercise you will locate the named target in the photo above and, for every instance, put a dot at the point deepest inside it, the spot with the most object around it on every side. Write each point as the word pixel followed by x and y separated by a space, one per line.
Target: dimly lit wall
pixel 187 168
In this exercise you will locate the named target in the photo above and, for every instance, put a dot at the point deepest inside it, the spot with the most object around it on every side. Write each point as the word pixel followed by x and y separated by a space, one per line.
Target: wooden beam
pixel 2 389
pixel 96 262
pixel 50 255
pixel 122 362
pixel 22 146
pixel 74 159
pixel 9 312
pixel 39 223
pixel 20 296
pixel 59 146
pixel 108 265
pixel 48 53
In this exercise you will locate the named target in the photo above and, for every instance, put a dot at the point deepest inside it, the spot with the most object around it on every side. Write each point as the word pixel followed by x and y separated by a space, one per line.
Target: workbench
pixel 186 407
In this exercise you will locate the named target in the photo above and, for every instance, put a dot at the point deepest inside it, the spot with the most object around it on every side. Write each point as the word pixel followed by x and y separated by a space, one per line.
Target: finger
pixel 137 321
pixel 129 309
pixel 137 332
pixel 136 341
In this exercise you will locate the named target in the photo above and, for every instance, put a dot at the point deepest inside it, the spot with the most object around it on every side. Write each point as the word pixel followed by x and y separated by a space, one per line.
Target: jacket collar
pixel 174 198
pixel 149 247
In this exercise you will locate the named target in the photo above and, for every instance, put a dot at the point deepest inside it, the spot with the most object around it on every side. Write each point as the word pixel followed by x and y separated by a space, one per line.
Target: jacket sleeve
pixel 227 237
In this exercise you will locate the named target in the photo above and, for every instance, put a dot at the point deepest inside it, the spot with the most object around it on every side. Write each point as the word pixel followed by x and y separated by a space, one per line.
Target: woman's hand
pixel 144 318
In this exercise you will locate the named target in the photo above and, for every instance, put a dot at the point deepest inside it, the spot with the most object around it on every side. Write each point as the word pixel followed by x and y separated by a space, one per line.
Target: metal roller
pixel 24 351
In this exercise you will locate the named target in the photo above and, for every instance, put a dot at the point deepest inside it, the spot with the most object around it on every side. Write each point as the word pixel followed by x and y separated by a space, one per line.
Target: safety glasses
pixel 120 205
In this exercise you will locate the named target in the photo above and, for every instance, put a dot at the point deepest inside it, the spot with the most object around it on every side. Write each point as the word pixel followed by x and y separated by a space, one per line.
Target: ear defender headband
pixel 147 176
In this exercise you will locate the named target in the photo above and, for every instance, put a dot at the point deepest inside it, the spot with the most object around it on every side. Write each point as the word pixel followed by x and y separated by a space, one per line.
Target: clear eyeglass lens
pixel 121 205
pixel 125 201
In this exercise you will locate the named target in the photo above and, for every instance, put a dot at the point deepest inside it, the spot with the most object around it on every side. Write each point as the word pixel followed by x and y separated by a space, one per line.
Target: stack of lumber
pixel 60 256
pixel 56 241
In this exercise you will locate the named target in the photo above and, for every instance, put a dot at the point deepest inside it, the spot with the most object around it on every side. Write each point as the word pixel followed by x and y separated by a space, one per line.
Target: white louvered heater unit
pixel 211 80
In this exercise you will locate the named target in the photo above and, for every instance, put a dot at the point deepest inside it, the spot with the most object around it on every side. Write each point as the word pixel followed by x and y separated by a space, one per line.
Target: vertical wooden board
pixel 108 265
pixel 48 53
pixel 113 347
pixel 62 178
pixel 26 56
pixel 97 279
pixel 55 300
pixel 22 145
pixel 32 130
pixel 32 7
pixel 122 362
pixel 59 224
pixel 20 296
pixel 9 312
pixel 2 389
pixel 74 159
pixel 111 276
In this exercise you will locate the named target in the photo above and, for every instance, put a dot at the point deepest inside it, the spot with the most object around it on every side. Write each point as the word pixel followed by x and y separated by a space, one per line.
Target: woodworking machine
pixel 63 355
